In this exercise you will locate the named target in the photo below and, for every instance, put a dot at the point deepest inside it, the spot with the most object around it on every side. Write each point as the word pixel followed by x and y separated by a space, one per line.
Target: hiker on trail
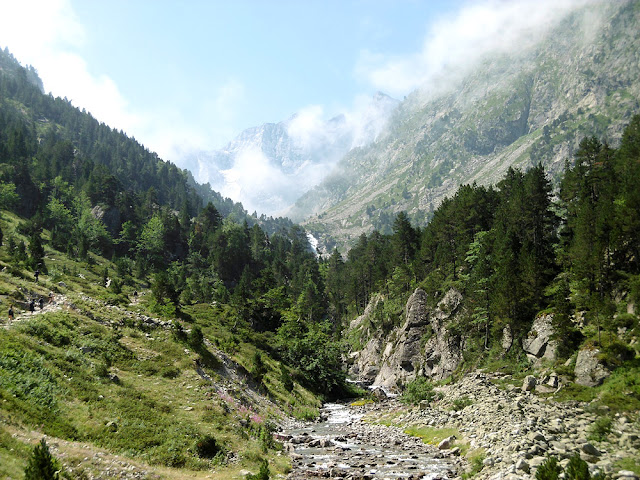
pixel 37 274
pixel 10 314
pixel 50 297
pixel 32 306
pixel 41 303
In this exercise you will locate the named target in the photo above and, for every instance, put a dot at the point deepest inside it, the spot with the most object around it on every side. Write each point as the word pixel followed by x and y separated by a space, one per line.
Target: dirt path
pixel 20 315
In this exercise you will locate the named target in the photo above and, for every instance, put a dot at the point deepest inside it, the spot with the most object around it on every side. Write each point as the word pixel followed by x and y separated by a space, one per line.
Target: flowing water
pixel 342 446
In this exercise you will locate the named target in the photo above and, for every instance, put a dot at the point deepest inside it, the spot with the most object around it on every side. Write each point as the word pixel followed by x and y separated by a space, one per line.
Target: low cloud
pixel 268 168
pixel 456 42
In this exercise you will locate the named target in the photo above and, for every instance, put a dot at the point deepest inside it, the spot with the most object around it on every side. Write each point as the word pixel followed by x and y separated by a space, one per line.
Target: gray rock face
pixel 421 346
pixel 365 364
pixel 538 344
pixel 589 371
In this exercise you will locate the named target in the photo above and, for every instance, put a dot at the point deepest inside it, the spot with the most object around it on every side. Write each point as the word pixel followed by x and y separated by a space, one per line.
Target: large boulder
pixel 589 371
pixel 539 344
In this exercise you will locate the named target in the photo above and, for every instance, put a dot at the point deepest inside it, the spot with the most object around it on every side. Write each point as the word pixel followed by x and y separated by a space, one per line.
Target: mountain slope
pixel 513 109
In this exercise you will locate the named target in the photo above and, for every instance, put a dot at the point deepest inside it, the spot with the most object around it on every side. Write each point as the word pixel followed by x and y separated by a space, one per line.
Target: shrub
pixel 550 469
pixel 616 353
pixel 170 372
pixel 577 469
pixel 600 429
pixel 42 465
pixel 460 403
pixel 285 378
pixel 625 320
pixel 195 338
pixel 259 368
pixel 207 447
pixel 263 474
pixel 418 390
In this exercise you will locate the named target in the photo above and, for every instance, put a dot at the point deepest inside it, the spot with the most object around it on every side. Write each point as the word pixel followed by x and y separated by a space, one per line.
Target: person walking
pixel 41 303
pixel 10 314
pixel 32 306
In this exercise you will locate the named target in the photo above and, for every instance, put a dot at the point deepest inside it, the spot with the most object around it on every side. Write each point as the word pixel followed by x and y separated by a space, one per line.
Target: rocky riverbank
pixel 509 429
pixel 343 446
pixel 512 429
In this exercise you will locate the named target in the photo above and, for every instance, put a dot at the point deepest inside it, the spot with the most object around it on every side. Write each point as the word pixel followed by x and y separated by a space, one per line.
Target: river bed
pixel 343 446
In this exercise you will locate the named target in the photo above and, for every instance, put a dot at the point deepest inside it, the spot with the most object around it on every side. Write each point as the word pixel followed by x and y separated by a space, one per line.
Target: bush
pixel 195 338
pixel 418 390
pixel 549 469
pixel 577 469
pixel 263 474
pixel 170 372
pixel 616 353
pixel 207 447
pixel 42 465
pixel 285 378
pixel 600 429
pixel 259 368
pixel 460 403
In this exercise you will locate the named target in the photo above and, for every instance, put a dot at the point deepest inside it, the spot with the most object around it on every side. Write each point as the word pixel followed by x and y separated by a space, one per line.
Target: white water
pixel 388 460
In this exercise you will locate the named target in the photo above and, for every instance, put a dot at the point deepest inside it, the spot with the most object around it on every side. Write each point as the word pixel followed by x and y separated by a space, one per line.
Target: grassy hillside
pixel 115 387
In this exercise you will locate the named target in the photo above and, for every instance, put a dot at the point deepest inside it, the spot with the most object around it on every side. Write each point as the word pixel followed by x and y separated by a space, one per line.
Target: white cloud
pixel 308 126
pixel 255 181
pixel 454 43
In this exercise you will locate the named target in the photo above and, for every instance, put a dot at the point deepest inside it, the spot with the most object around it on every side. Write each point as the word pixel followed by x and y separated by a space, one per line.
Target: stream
pixel 343 446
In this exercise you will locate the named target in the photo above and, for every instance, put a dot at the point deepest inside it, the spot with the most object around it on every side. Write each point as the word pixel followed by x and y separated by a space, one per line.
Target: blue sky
pixel 211 68
pixel 191 75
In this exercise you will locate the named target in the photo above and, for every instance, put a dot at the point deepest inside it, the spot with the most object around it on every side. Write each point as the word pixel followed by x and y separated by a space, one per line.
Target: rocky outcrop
pixel 589 371
pixel 421 346
pixel 539 343
pixel 365 364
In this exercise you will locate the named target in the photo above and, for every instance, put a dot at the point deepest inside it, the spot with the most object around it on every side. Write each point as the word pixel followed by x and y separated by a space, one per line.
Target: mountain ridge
pixel 515 110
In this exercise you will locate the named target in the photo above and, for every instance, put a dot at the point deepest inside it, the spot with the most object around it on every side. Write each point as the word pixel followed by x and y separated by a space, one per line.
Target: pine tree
pixel 41 465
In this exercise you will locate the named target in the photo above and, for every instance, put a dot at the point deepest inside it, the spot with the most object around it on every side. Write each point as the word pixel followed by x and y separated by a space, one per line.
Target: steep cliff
pixel 421 346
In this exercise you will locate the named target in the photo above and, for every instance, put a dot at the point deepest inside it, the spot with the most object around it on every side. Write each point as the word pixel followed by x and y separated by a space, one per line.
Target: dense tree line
pixel 515 248
pixel 99 192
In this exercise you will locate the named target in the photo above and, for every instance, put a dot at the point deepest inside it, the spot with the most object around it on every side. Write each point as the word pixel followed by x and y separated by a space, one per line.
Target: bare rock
pixel 529 383
pixel 589 371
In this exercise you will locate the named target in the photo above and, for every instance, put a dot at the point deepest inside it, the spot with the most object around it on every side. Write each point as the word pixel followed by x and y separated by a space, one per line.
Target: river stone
pixel 589 371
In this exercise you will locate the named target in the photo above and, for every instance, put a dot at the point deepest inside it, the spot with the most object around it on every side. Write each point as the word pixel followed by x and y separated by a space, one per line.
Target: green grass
pixel 628 463
pixel 431 435
pixel 13 455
